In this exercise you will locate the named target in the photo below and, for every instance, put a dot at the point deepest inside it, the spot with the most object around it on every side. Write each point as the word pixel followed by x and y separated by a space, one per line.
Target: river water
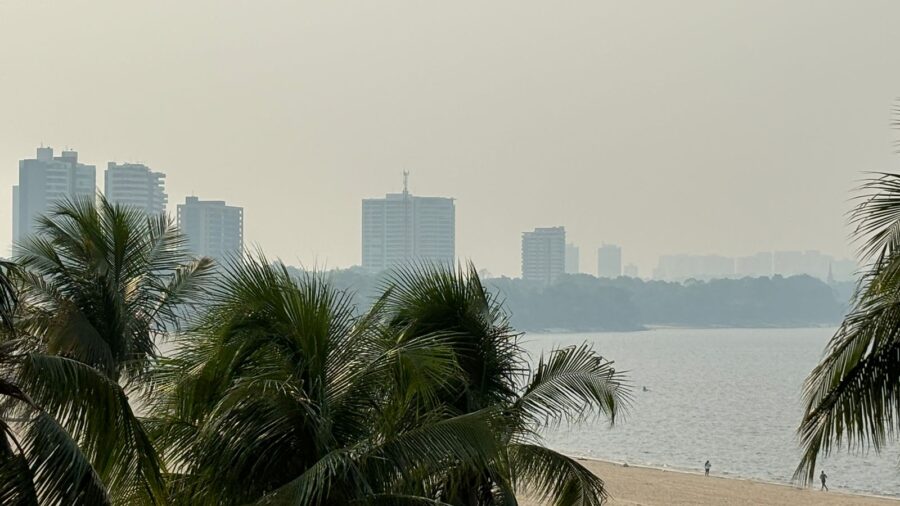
pixel 731 396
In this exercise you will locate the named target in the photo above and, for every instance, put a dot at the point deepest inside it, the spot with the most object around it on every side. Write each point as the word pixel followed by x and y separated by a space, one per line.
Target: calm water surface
pixel 728 395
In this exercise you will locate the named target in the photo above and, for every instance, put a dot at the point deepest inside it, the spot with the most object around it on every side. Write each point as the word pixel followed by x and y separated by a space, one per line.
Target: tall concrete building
pixel 573 259
pixel 212 228
pixel 46 180
pixel 609 261
pixel 401 227
pixel 544 254
pixel 134 184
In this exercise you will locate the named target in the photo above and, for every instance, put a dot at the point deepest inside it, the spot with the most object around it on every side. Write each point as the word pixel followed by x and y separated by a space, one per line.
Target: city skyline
pixel 138 184
pixel 468 253
pixel 689 130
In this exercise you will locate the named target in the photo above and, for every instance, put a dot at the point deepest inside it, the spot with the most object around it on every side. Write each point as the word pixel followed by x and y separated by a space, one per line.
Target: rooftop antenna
pixel 405 181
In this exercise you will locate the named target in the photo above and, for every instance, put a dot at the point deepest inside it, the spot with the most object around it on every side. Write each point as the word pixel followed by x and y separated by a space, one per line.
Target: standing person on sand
pixel 707 466
pixel 823 477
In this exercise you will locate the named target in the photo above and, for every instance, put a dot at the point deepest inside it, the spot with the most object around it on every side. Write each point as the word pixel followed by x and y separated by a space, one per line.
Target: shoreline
pixel 646 328
pixel 626 465
pixel 657 486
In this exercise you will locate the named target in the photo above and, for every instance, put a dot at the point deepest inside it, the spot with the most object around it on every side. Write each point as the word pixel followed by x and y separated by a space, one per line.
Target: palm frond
pixel 876 218
pixel 96 412
pixel 852 397
pixel 555 478
pixel 16 478
pixel 61 472
pixel 118 274
pixel 572 383
pixel 8 296
pixel 17 482
pixel 316 483
pixel 423 299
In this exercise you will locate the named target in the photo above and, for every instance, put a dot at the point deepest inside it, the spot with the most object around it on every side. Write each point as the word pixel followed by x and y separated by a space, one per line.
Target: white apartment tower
pixel 45 181
pixel 544 254
pixel 213 229
pixel 401 227
pixel 135 185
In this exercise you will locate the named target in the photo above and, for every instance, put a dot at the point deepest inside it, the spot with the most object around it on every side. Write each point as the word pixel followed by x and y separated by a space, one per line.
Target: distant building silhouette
pixel 793 263
pixel 701 267
pixel 402 227
pixel 212 228
pixel 845 270
pixel 609 261
pixel 631 271
pixel 754 266
pixel 544 254
pixel 134 184
pixel 765 264
pixel 573 259
pixel 46 180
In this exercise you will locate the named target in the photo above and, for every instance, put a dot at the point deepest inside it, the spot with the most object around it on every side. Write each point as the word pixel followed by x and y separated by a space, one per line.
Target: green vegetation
pixel 853 396
pixel 99 285
pixel 584 303
pixel 276 388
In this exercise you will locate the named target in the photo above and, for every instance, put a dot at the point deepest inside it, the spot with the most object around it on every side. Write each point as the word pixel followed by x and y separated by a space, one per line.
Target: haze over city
pixel 702 128
pixel 584 253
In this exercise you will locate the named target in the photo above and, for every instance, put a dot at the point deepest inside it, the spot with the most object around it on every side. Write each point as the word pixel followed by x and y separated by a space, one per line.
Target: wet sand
pixel 635 485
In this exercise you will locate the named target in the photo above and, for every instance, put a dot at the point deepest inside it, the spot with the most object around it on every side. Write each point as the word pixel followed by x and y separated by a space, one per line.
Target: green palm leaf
pixel 572 383
pixel 61 473
pixel 96 413
pixel 555 478
pixel 852 397
pixel 8 296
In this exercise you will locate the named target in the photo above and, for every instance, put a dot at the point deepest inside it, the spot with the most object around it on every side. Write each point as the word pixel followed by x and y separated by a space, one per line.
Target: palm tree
pixel 568 385
pixel 280 396
pixel 8 297
pixel 101 285
pixel 852 398
pixel 16 485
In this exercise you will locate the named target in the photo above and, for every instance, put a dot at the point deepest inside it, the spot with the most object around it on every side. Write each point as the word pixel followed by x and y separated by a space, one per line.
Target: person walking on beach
pixel 707 466
pixel 824 477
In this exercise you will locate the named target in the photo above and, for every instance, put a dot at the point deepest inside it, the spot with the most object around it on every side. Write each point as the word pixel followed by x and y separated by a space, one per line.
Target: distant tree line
pixel 583 302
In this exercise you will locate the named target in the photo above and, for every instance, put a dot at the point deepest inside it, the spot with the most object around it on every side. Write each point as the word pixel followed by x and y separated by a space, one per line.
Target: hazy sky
pixel 666 127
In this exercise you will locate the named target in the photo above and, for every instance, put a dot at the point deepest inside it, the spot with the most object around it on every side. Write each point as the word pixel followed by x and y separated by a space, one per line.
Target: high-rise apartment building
pixel 45 181
pixel 609 261
pixel 401 227
pixel 544 254
pixel 135 185
pixel 573 258
pixel 213 229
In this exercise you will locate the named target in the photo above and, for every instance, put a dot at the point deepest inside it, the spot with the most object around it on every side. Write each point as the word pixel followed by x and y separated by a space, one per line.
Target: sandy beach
pixel 634 485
